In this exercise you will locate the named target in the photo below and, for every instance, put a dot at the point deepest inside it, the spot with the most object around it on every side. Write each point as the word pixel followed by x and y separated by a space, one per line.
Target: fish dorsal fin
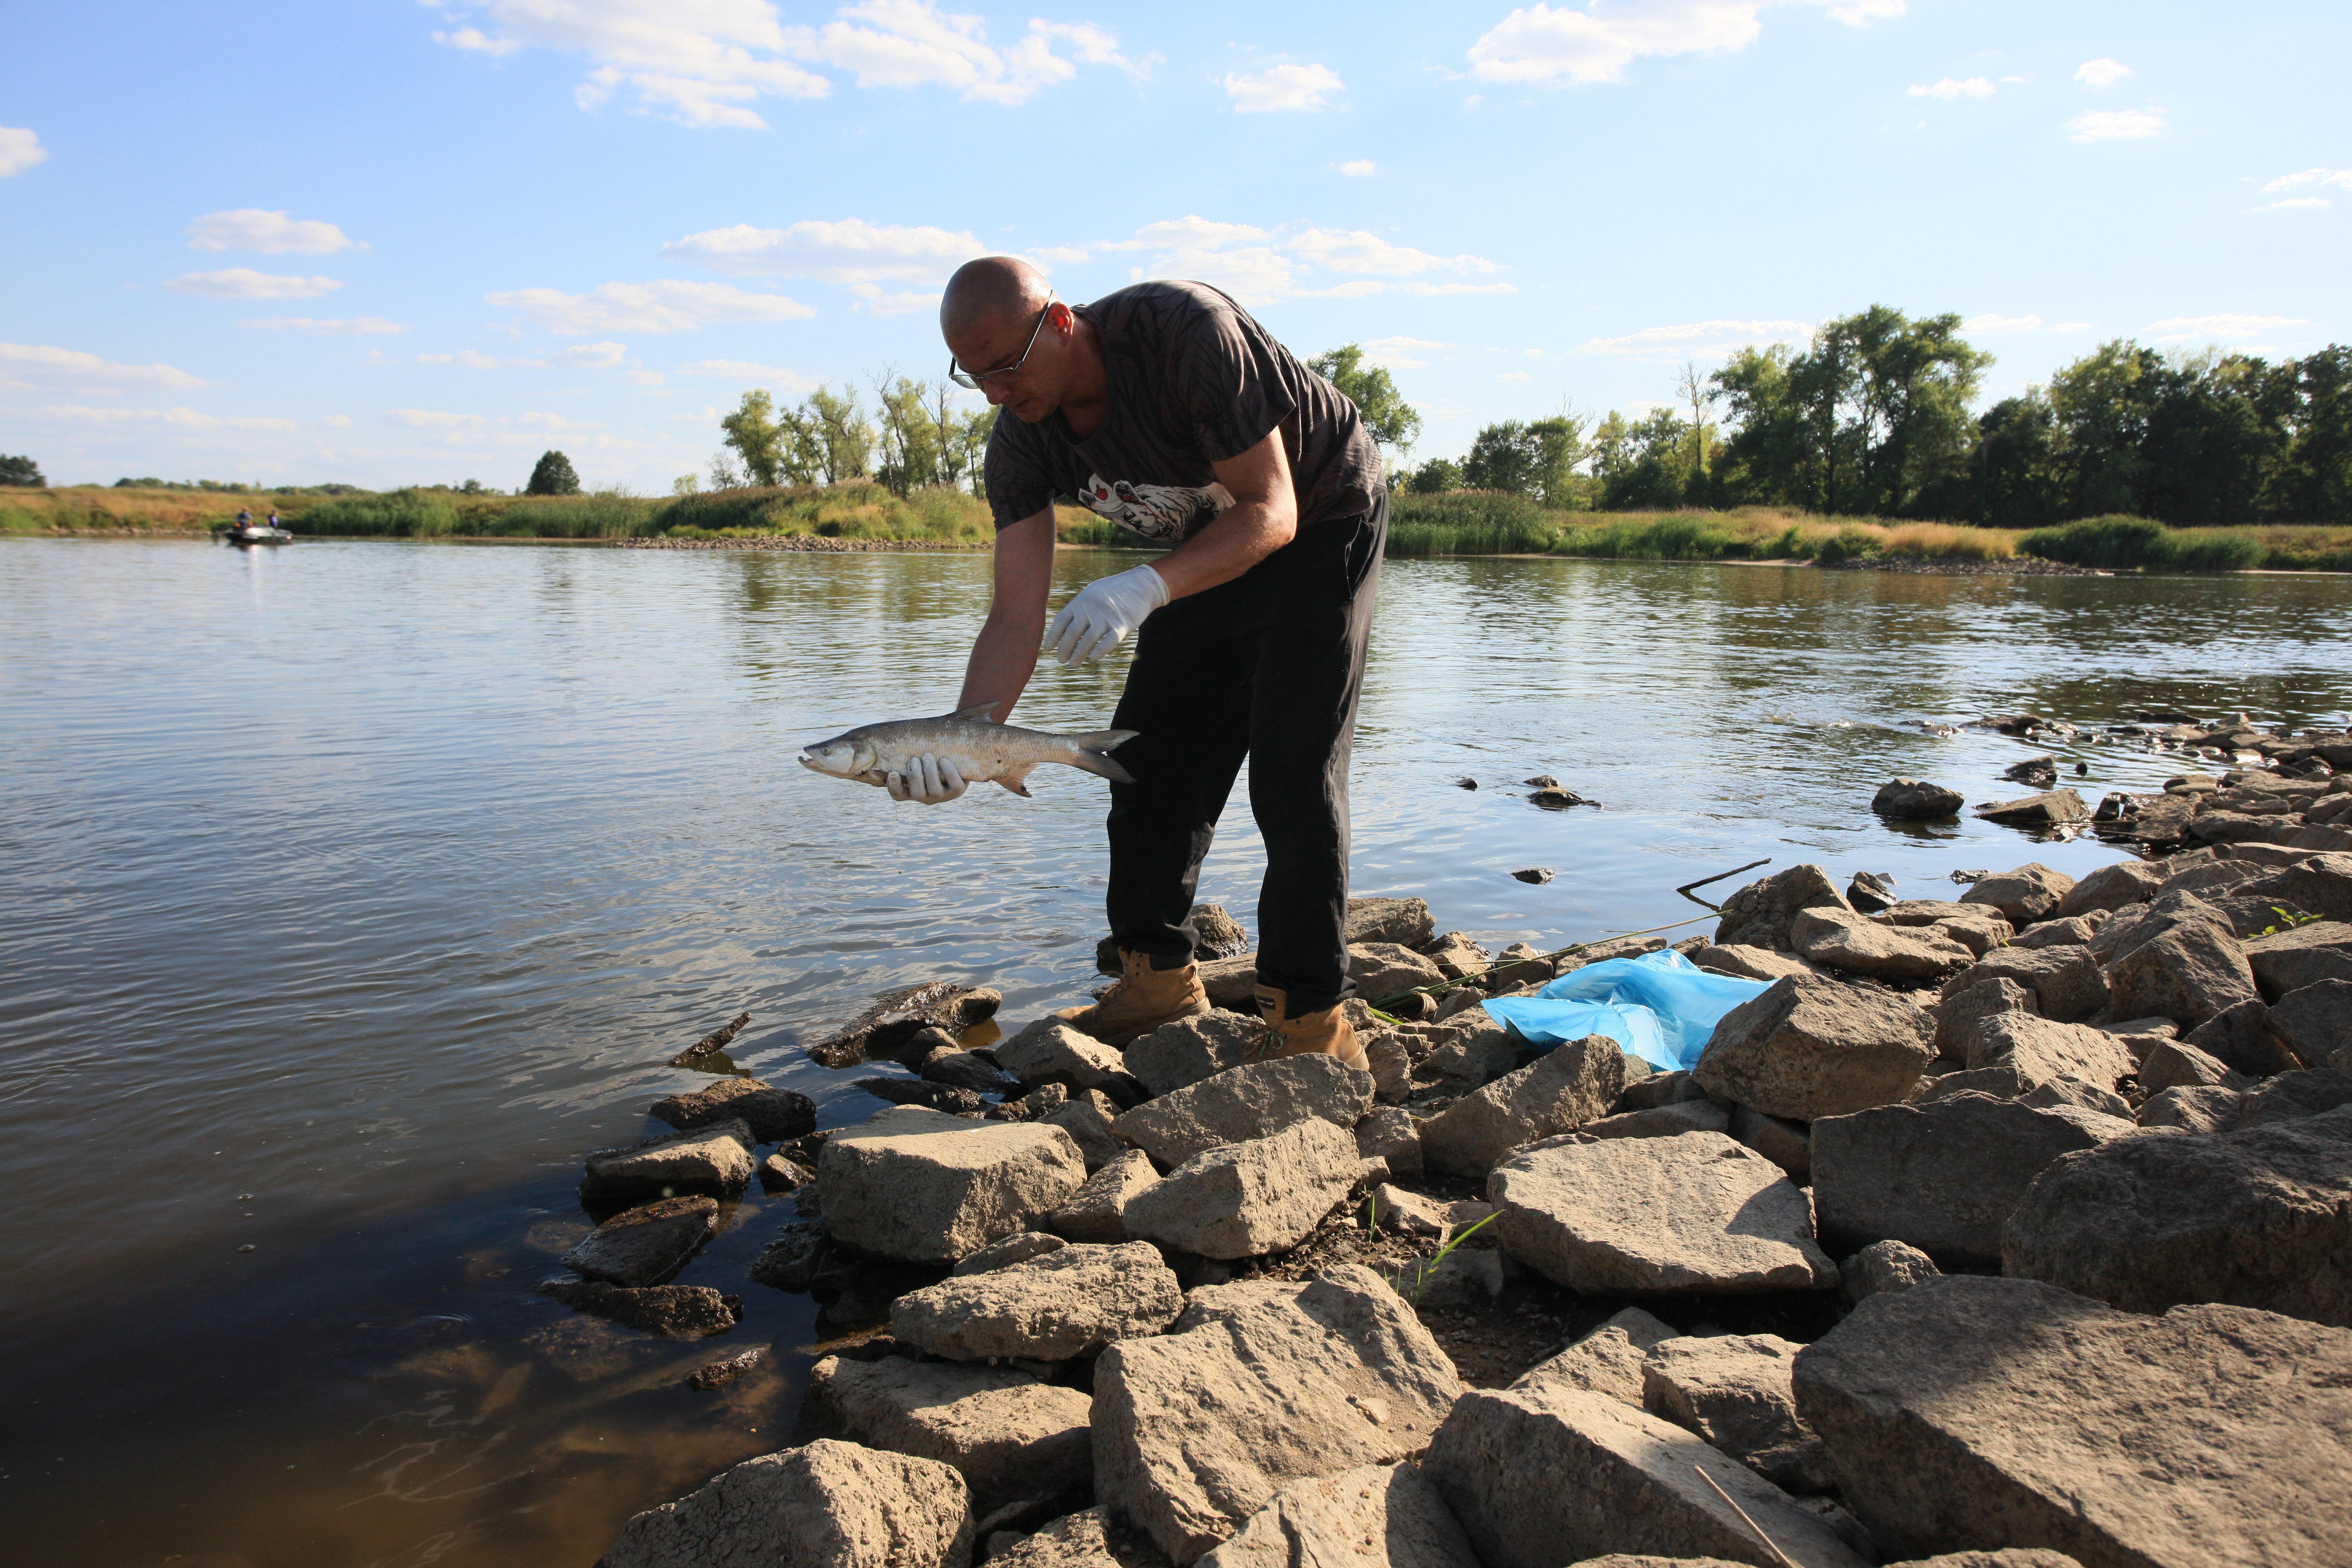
pixel 978 713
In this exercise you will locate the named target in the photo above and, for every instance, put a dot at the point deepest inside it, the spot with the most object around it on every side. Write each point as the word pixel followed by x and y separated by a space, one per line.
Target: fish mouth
pixel 811 764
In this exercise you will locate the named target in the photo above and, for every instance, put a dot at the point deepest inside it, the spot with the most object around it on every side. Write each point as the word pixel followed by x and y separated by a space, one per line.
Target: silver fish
pixel 979 748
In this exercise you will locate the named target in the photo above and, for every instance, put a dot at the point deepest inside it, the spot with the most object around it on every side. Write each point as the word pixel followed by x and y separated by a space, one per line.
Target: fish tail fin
pixel 1091 747
pixel 1016 781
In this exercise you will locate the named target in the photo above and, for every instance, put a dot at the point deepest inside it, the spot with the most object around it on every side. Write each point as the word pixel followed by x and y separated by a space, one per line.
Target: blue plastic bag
pixel 1660 1006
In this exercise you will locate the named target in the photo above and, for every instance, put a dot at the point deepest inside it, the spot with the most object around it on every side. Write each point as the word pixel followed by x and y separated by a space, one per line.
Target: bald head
pixel 990 294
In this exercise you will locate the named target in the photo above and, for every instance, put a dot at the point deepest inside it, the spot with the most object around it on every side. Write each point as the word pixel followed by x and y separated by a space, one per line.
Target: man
pixel 1165 407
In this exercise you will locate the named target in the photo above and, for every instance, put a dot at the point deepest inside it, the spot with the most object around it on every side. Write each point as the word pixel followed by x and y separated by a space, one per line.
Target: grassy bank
pixel 1471 522
pixel 1460 523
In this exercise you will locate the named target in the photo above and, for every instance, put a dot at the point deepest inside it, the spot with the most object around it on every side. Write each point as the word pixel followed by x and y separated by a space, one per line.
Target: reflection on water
pixel 348 894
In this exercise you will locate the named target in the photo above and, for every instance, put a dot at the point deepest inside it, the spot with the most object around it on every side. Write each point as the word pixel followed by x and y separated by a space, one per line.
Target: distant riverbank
pixel 860 515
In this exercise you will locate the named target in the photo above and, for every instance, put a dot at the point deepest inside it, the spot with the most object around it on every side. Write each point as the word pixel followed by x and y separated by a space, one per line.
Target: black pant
pixel 1268 666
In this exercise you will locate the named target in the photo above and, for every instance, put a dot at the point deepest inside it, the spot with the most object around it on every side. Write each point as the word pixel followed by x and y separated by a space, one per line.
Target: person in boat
pixel 244 518
pixel 274 524
pixel 1166 409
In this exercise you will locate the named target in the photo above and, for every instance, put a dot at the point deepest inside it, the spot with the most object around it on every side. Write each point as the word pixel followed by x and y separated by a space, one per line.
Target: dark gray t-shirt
pixel 1193 381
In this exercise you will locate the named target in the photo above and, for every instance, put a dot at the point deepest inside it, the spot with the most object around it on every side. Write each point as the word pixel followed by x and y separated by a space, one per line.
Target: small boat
pixel 258 534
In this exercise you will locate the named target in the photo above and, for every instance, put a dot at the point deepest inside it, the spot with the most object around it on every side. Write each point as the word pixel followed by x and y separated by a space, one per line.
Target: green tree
pixel 2015 481
pixel 1505 457
pixel 840 441
pixel 1560 450
pixel 553 476
pixel 971 445
pixel 758 440
pixel 1435 475
pixel 1651 469
pixel 2215 428
pixel 2102 404
pixel 22 472
pixel 1394 424
pixel 2312 479
pixel 909 437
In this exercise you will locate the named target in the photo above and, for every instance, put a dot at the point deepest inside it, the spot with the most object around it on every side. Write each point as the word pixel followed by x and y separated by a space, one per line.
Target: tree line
pixel 1872 418
pixel 917 437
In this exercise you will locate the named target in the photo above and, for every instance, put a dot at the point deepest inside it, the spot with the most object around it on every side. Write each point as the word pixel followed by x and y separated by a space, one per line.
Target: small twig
pixel 1686 889
pixel 1778 1555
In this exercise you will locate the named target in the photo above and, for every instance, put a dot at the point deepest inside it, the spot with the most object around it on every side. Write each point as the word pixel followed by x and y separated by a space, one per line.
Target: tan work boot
pixel 1143 999
pixel 1326 1031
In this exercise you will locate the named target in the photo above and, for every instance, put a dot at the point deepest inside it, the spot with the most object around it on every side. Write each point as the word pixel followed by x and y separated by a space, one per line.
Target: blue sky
pixel 395 242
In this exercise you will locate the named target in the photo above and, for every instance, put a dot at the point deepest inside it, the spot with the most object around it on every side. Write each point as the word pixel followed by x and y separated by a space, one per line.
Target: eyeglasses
pixel 976 379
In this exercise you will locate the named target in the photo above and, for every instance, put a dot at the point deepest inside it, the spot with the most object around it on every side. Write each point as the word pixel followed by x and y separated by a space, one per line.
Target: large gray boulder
pixel 2116 887
pixel 773 1114
pixel 1958 1012
pixel 2187 975
pixel 2044 810
pixel 1973 1413
pixel 1544 1475
pixel 644 1244
pixel 2067 982
pixel 2320 886
pixel 1190 1049
pixel 2242 1038
pixel 1262 1384
pixel 1098 1211
pixel 1562 1089
pixel 1255 1100
pixel 2296 1094
pixel 828 1505
pixel 2176 1064
pixel 1808 1048
pixel 926 1187
pixel 715 1158
pixel 1759 914
pixel 1379 970
pixel 1242 1200
pixel 1607 1360
pixel 1733 1390
pixel 1374 1516
pixel 1915 800
pixel 1941 1176
pixel 1061 1304
pixel 1050 1048
pixel 2300 955
pixel 2032 892
pixel 2261 1219
pixel 2316 1022
pixel 1841 939
pixel 1700 1213
pixel 1008 1434
pixel 1402 921
pixel 2037 1051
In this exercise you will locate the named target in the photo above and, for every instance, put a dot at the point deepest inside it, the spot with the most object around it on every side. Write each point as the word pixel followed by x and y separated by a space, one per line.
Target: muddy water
pixel 349 893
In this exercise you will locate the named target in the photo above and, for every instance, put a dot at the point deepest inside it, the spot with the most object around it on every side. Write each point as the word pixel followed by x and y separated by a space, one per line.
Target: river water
pixel 349 893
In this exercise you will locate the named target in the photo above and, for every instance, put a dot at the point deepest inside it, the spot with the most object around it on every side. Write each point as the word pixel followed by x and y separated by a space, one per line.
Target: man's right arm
pixel 1005 653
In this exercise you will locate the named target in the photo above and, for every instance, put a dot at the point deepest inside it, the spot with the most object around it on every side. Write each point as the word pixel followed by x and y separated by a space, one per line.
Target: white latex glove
pixel 1103 612
pixel 931 780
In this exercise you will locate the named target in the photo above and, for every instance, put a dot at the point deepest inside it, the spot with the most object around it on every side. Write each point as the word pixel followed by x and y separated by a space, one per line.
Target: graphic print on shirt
pixel 1155 511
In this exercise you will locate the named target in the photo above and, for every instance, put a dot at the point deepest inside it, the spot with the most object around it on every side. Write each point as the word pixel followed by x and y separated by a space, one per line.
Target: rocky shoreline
pixel 2008 1231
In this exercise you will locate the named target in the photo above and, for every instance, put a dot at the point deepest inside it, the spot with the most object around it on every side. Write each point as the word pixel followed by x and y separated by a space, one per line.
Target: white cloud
pixel 2001 324
pixel 706 62
pixel 850 251
pixel 1259 267
pixel 876 300
pixel 1699 338
pixel 432 419
pixel 1359 168
pixel 1401 353
pixel 2310 180
pixel 36 365
pixel 2101 72
pixel 666 305
pixel 2116 124
pixel 2218 329
pixel 19 150
pixel 251 229
pixel 244 283
pixel 1281 87
pixel 179 419
pixel 1579 47
pixel 553 422
pixel 470 359
pixel 1951 87
pixel 776 378
pixel 355 326
pixel 1070 255
pixel 2296 203
pixel 597 356
pixel 1354 250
